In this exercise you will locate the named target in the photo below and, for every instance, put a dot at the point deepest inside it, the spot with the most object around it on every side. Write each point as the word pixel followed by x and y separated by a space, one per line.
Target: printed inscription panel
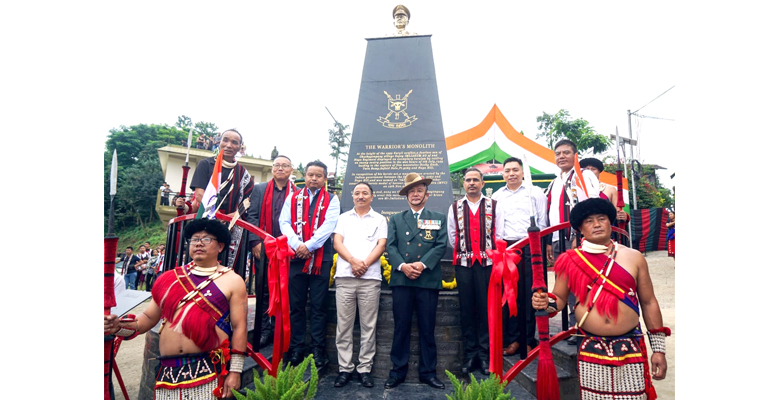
pixel 398 126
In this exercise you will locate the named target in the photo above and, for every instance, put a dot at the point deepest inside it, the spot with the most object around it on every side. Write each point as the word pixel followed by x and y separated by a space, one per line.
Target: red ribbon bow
pixel 279 253
pixel 504 272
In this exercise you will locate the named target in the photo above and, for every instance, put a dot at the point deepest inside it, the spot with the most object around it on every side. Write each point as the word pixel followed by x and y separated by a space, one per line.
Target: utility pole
pixel 633 183
pixel 632 142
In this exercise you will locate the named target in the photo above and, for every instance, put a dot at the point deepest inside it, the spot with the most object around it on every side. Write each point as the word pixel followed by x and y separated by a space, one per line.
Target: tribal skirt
pixel 189 376
pixel 611 367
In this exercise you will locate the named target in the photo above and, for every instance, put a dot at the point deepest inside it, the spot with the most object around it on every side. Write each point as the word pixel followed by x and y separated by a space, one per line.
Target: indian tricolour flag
pixel 208 204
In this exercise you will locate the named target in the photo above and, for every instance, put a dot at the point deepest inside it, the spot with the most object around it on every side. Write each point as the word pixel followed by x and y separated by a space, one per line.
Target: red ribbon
pixel 279 253
pixel 504 274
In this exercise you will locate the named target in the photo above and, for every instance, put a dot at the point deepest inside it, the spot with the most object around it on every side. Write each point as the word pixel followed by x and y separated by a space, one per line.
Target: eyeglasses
pixel 277 166
pixel 204 240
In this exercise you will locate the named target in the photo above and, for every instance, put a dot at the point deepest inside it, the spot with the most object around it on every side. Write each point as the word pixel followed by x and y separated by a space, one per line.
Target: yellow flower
pixel 386 268
pixel 333 269
pixel 449 285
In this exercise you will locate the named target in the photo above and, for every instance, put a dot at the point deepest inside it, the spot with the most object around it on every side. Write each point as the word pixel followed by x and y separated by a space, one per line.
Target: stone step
pixel 567 383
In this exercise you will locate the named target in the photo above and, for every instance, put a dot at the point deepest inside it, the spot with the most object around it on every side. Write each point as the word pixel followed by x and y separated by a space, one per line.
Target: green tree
pixel 139 174
pixel 648 194
pixel 206 127
pixel 559 126
pixel 339 145
pixel 184 122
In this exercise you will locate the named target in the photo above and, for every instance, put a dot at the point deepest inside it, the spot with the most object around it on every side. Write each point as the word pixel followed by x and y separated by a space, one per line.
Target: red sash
pixel 266 217
pixel 585 273
pixel 307 222
pixel 198 317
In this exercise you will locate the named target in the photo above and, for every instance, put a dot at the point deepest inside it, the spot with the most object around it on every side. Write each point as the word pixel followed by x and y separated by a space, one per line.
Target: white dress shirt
pixel 322 233
pixel 516 207
pixel 361 235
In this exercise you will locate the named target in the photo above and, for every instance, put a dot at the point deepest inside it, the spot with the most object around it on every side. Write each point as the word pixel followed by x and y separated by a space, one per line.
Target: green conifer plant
pixel 490 388
pixel 288 384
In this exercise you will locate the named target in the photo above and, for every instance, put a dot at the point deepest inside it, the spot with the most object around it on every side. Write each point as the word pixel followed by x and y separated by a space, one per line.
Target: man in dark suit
pixel 266 204
pixel 416 242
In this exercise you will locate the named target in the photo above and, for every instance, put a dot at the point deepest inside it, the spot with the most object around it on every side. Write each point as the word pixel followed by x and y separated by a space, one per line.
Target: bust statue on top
pixel 401 15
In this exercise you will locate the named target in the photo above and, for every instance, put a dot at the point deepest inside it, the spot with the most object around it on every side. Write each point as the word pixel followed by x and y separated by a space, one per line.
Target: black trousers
pixel 423 301
pixel 261 291
pixel 522 327
pixel 313 288
pixel 472 292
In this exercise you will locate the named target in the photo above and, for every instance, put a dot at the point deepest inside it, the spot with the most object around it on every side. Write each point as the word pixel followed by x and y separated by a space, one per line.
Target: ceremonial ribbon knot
pixel 504 271
pixel 279 253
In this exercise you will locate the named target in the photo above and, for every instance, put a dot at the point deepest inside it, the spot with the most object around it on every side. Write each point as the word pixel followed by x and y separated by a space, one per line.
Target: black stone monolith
pixel 398 127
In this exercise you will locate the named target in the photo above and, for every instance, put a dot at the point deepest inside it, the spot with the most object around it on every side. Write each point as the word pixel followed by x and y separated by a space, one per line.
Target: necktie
pixel 416 215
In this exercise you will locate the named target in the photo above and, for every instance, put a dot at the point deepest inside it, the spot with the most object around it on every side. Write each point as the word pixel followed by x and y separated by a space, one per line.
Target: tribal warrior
pixel 612 282
pixel 203 306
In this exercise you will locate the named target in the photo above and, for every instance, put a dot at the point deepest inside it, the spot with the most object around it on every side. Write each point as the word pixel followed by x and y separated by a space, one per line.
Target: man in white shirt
pixel 471 229
pixel 515 202
pixel 359 239
pixel 564 192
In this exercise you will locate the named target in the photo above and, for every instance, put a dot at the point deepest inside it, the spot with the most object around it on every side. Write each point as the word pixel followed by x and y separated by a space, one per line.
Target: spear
pixel 109 262
pixel 547 377
pixel 185 171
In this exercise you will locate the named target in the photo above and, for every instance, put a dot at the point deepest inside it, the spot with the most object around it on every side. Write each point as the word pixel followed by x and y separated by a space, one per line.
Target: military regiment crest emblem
pixel 396 107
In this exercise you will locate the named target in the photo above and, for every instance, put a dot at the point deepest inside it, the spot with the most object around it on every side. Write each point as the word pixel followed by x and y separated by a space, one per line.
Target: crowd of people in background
pixel 141 269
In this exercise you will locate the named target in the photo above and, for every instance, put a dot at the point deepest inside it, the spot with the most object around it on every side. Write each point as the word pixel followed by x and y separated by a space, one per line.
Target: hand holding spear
pixel 185 171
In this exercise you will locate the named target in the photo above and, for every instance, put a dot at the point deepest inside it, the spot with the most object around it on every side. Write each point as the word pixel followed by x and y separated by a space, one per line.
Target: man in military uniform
pixel 416 242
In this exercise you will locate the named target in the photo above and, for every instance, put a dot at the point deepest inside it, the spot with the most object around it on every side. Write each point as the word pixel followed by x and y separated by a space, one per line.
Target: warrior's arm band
pixel 127 333
pixel 236 363
pixel 658 339
pixel 552 307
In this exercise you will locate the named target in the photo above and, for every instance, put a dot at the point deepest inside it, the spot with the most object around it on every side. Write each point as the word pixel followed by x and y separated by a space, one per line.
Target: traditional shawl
pixel 565 203
pixel 463 251
pixel 200 314
pixel 241 181
pixel 266 216
pixel 304 226
pixel 585 272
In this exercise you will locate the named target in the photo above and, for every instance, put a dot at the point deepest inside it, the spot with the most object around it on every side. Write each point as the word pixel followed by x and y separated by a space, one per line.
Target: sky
pixel 71 71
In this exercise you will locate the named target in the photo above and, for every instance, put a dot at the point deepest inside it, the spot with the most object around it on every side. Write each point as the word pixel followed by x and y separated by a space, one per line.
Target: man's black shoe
pixel 393 382
pixel 342 379
pixel 295 358
pixel 484 368
pixel 467 366
pixel 366 380
pixel 265 340
pixel 433 382
pixel 320 358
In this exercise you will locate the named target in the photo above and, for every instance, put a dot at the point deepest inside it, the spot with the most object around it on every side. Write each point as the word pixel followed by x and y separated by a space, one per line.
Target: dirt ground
pixel 662 271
